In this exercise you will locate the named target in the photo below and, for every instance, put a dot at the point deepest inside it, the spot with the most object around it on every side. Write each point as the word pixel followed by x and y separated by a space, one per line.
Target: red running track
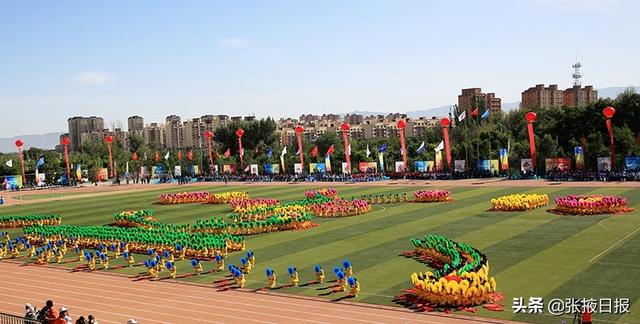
pixel 115 298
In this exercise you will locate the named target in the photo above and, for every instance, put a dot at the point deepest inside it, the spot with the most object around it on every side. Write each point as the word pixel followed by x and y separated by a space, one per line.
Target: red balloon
pixel 401 124
pixel 19 143
pixel 208 134
pixel 345 127
pixel 445 122
pixel 299 129
pixel 239 132
pixel 108 139
pixel 608 112
pixel 65 141
pixel 530 117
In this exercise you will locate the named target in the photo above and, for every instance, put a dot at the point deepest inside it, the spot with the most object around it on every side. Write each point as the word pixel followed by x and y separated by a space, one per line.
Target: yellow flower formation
pixel 519 202
pixel 461 278
pixel 225 197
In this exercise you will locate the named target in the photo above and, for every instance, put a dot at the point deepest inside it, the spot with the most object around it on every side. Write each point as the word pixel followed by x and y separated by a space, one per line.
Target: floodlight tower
pixel 576 74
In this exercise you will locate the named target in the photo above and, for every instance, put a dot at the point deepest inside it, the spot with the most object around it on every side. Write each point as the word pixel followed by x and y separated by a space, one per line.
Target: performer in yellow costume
pixel 293 275
pixel 355 287
pixel 319 274
pixel 271 276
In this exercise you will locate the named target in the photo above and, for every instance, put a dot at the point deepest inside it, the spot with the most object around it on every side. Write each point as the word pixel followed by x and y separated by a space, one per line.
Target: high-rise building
pixel 578 96
pixel 173 132
pixel 354 119
pixel 82 125
pixel 154 135
pixel 541 96
pixel 136 124
pixel 474 98
pixel 193 130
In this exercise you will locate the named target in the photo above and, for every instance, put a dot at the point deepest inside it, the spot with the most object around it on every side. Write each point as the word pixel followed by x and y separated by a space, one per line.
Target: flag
pixel 284 151
pixel 180 155
pixel 462 116
pixel 247 168
pixel 330 150
pixel 78 172
pixel 327 161
pixel 270 153
pixel 474 113
pixel 381 160
pixel 157 157
pixel 440 147
pixel 349 150
pixel 126 172
pixel 40 162
pixel 134 156
pixel 382 148
pixel 299 149
pixel 227 153
pixel 282 154
pixel 145 156
pixel 368 151
pixel 9 163
pixel 314 151
pixel 509 144
pixel 486 114
pixel 166 156
pixel 190 155
pixel 421 148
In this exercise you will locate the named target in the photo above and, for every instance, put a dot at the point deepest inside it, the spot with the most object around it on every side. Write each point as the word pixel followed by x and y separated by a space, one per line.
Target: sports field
pixel 531 253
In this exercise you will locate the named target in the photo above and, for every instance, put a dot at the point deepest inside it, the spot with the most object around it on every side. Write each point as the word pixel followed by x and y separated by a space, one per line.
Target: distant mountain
pixel 613 92
pixel 45 141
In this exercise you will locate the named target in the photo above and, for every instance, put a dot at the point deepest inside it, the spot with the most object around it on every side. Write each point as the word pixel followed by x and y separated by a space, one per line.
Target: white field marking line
pixel 20 306
pixel 602 221
pixel 614 245
pixel 136 302
pixel 151 283
pixel 94 311
pixel 172 301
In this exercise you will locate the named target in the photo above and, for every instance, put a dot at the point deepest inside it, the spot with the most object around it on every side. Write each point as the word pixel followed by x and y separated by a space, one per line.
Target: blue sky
pixel 284 58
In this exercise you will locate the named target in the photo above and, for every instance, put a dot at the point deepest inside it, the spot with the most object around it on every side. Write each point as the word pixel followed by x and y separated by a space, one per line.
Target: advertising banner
pixel 345 168
pixel 399 166
pixel 439 165
pixel 13 182
pixel 103 174
pixel 297 168
pixel 228 168
pixel 313 167
pixel 562 164
pixel 177 171
pixel 459 165
pixel 526 165
pixel 321 167
pixel 254 169
pixel 604 163
pixel 504 159
pixel 579 156
pixel 420 166
pixel 488 165
pixel 632 163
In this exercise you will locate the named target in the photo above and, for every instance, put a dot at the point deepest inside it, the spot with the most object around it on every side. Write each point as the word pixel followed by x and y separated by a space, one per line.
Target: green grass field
pixel 531 253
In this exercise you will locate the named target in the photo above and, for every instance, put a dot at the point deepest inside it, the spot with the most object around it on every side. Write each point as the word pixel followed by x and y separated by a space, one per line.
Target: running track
pixel 115 298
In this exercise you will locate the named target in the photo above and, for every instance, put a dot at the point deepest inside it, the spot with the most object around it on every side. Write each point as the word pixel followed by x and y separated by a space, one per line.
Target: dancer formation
pixel 519 202
pixel 460 279
pixel 591 205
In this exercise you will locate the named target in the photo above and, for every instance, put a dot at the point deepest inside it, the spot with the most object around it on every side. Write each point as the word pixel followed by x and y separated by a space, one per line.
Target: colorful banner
pixel 439 161
pixel 254 169
pixel 579 156
pixel 489 165
pixel 327 162
pixel 399 166
pixel 632 163
pixel 13 182
pixel 420 166
pixel 321 167
pixel 526 166
pixel 381 161
pixel 367 167
pixel 78 172
pixel 313 167
pixel 268 168
pixel 431 166
pixel 297 168
pixel 177 171
pixel 604 163
pixel 103 174
pixel 460 165
pixel 230 168
pixel 563 164
pixel 504 159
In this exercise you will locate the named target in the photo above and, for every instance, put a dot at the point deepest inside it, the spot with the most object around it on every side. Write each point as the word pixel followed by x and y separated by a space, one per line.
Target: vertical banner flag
pixel 579 156
pixel 401 126
pixel 368 151
pixel 347 147
pixel 531 118
pixel 19 144
pixel 299 131
pixel 420 149
pixel 445 123
pixel 381 150
pixel 608 113
pixel 109 140
pixel 327 158
pixel 504 159
pixel 126 172
pixel 209 136
pixel 314 151
pixel 65 143
pixel 438 160
pixel 78 172
pixel 282 154
pixel 239 133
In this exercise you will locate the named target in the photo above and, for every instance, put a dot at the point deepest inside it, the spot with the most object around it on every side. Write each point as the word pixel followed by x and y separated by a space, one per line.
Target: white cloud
pixel 582 5
pixel 93 78
pixel 233 42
